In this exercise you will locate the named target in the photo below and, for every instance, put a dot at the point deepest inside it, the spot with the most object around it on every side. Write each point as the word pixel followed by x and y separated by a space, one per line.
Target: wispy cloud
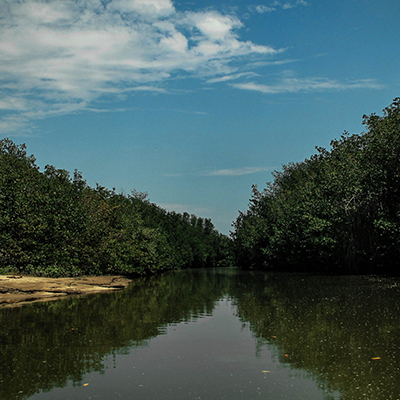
pixel 176 110
pixel 294 85
pixel 290 4
pixel 72 52
pixel 276 5
pixel 261 9
pixel 232 77
pixel 239 171
pixel 224 172
pixel 276 62
pixel 143 88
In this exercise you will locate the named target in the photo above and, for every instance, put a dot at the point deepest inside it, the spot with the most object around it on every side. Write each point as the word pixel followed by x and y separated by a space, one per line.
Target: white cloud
pixel 289 4
pixel 262 8
pixel 294 85
pixel 150 8
pixel 226 78
pixel 267 63
pixel 12 103
pixel 13 123
pixel 226 172
pixel 61 52
pixel 143 88
pixel 213 25
pixel 239 171
pixel 44 12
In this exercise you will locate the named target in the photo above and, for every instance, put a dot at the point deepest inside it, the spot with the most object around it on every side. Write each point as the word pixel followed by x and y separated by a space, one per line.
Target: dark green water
pixel 208 335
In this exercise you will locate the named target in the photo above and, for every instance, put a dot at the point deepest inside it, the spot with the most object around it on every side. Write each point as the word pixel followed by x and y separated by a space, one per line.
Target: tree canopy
pixel 338 211
pixel 56 225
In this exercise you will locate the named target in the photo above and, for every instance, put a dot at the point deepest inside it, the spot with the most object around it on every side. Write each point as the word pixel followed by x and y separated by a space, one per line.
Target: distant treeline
pixel 56 225
pixel 338 211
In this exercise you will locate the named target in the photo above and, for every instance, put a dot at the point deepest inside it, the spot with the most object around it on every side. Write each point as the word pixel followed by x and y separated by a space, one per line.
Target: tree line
pixel 55 224
pixel 338 211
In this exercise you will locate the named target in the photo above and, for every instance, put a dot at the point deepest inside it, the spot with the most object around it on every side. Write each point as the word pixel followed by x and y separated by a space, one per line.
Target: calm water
pixel 208 335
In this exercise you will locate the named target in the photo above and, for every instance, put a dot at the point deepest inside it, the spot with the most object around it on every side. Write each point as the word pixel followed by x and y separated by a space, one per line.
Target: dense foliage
pixel 55 225
pixel 338 211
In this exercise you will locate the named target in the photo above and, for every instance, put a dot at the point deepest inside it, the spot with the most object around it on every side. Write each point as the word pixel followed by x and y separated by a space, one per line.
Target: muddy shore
pixel 16 290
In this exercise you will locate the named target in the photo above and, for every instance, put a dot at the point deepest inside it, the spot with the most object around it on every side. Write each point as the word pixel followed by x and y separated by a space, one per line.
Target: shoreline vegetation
pixel 55 225
pixel 336 212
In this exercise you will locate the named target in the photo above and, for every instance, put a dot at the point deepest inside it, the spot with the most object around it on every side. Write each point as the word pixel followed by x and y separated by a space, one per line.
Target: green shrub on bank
pixel 338 211
pixel 55 225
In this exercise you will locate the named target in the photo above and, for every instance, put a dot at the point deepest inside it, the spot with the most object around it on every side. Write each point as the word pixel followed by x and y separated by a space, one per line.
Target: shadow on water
pixel 342 332
pixel 45 345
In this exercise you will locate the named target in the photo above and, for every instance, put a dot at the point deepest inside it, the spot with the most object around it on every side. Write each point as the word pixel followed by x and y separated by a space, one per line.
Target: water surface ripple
pixel 209 334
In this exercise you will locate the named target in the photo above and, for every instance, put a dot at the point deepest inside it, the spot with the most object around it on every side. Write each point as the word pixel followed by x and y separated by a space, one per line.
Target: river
pixel 209 335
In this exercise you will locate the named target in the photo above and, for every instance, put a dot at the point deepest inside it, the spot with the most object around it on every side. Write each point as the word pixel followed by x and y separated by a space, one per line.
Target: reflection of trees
pixel 45 345
pixel 330 327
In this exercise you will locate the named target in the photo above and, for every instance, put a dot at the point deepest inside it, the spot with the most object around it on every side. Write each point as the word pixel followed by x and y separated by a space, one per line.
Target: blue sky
pixel 192 101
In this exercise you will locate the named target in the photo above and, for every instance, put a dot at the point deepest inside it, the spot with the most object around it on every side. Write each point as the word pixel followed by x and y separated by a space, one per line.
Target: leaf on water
pixel 267 372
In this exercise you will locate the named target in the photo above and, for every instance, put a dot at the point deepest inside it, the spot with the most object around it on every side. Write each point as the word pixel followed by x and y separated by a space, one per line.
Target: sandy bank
pixel 17 290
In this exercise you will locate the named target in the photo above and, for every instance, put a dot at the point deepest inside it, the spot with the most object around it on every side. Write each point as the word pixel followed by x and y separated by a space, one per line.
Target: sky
pixel 192 102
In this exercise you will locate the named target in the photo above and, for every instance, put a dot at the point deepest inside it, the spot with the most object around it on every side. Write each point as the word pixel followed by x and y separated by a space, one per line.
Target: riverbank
pixel 17 290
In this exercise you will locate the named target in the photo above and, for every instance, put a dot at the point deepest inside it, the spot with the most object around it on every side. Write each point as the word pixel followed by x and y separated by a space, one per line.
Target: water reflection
pixel 210 335
pixel 343 331
pixel 43 346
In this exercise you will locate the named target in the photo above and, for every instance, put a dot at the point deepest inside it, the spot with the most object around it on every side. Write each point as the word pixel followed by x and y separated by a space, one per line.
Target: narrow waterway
pixel 209 334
